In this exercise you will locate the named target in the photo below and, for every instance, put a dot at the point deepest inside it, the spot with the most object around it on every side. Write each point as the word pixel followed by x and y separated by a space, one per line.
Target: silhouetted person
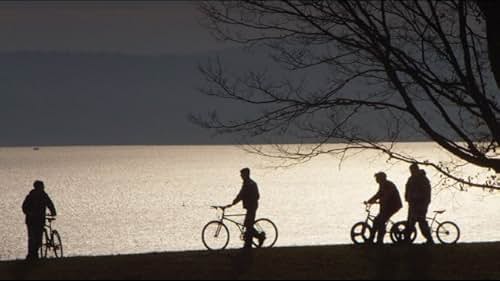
pixel 390 203
pixel 250 196
pixel 418 196
pixel 34 207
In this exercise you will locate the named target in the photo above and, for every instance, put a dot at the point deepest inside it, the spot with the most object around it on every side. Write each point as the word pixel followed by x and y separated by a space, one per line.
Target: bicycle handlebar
pixel 220 207
pixel 368 206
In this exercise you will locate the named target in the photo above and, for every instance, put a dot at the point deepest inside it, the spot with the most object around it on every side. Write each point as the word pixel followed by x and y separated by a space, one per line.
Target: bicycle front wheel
pixel 267 231
pixel 361 233
pixel 448 233
pixel 215 236
pixel 57 245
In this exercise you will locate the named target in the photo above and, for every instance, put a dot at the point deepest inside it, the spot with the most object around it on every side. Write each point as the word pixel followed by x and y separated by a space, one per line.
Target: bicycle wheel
pixel 44 247
pixel 360 233
pixel 269 231
pixel 215 236
pixel 57 245
pixel 448 233
pixel 398 232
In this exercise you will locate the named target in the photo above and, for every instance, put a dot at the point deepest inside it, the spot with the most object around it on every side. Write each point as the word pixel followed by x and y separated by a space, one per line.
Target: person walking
pixel 250 196
pixel 418 196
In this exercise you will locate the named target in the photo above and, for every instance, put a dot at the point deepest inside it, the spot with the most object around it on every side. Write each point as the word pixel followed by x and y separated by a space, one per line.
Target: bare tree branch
pixel 423 64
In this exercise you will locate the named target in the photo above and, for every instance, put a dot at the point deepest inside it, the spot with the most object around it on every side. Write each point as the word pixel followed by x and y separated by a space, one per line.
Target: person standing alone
pixel 34 207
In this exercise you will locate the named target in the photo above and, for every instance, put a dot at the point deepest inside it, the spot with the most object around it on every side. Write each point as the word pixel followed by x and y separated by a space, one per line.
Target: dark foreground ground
pixel 464 261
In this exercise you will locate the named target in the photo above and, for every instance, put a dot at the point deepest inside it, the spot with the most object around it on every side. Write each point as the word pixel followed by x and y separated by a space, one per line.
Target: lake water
pixel 121 200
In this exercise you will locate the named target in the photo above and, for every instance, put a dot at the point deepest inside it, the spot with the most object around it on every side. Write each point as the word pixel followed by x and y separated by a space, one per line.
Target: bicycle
pixel 51 241
pixel 446 232
pixel 215 234
pixel 361 232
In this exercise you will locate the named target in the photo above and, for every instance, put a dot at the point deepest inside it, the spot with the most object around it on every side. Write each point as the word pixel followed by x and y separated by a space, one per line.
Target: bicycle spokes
pixel 217 232
pixel 361 233
pixel 215 236
pixel 448 233
pixel 266 233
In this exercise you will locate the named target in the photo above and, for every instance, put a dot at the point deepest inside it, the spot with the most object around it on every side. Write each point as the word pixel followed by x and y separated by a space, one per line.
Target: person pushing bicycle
pixel 390 203
pixel 250 196
pixel 34 207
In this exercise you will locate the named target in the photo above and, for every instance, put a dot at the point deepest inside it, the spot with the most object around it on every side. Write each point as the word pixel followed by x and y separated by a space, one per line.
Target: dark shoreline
pixel 462 261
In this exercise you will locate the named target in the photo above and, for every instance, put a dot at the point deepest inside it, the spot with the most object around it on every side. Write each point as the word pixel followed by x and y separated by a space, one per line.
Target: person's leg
pixel 424 225
pixel 39 238
pixel 31 243
pixel 410 224
pixel 384 218
pixel 35 233
pixel 250 231
pixel 376 228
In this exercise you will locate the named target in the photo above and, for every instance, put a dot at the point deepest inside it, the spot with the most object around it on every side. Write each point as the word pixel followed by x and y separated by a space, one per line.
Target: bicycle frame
pixel 48 225
pixel 371 218
pixel 225 217
pixel 433 221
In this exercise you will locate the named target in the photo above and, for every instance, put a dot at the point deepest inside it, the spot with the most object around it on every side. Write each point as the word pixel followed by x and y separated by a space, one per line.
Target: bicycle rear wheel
pixel 398 233
pixel 448 233
pixel 267 231
pixel 360 233
pixel 215 236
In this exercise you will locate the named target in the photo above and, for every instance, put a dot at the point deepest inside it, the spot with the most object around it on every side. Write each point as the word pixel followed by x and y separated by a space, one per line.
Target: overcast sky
pixel 92 84
pixel 134 27
pixel 75 77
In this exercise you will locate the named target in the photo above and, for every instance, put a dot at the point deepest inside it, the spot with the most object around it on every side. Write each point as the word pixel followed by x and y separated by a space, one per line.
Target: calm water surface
pixel 119 200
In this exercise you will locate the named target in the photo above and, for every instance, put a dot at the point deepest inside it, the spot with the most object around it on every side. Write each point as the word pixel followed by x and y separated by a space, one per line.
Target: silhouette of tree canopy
pixel 422 65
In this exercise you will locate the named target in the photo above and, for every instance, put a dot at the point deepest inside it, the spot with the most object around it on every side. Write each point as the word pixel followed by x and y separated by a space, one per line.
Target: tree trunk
pixel 491 10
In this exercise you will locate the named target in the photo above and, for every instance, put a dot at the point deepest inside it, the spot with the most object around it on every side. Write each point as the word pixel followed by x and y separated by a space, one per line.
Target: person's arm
pixel 407 192
pixel 26 205
pixel 238 198
pixel 428 191
pixel 375 198
pixel 51 206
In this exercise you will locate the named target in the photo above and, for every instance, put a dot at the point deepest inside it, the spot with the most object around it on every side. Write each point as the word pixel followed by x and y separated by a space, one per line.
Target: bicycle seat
pixel 440 212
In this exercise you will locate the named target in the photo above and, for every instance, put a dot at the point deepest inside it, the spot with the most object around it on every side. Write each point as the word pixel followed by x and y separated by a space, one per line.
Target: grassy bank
pixel 464 261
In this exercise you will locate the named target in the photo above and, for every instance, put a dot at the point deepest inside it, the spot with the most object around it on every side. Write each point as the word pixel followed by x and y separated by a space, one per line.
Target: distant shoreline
pixel 185 144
